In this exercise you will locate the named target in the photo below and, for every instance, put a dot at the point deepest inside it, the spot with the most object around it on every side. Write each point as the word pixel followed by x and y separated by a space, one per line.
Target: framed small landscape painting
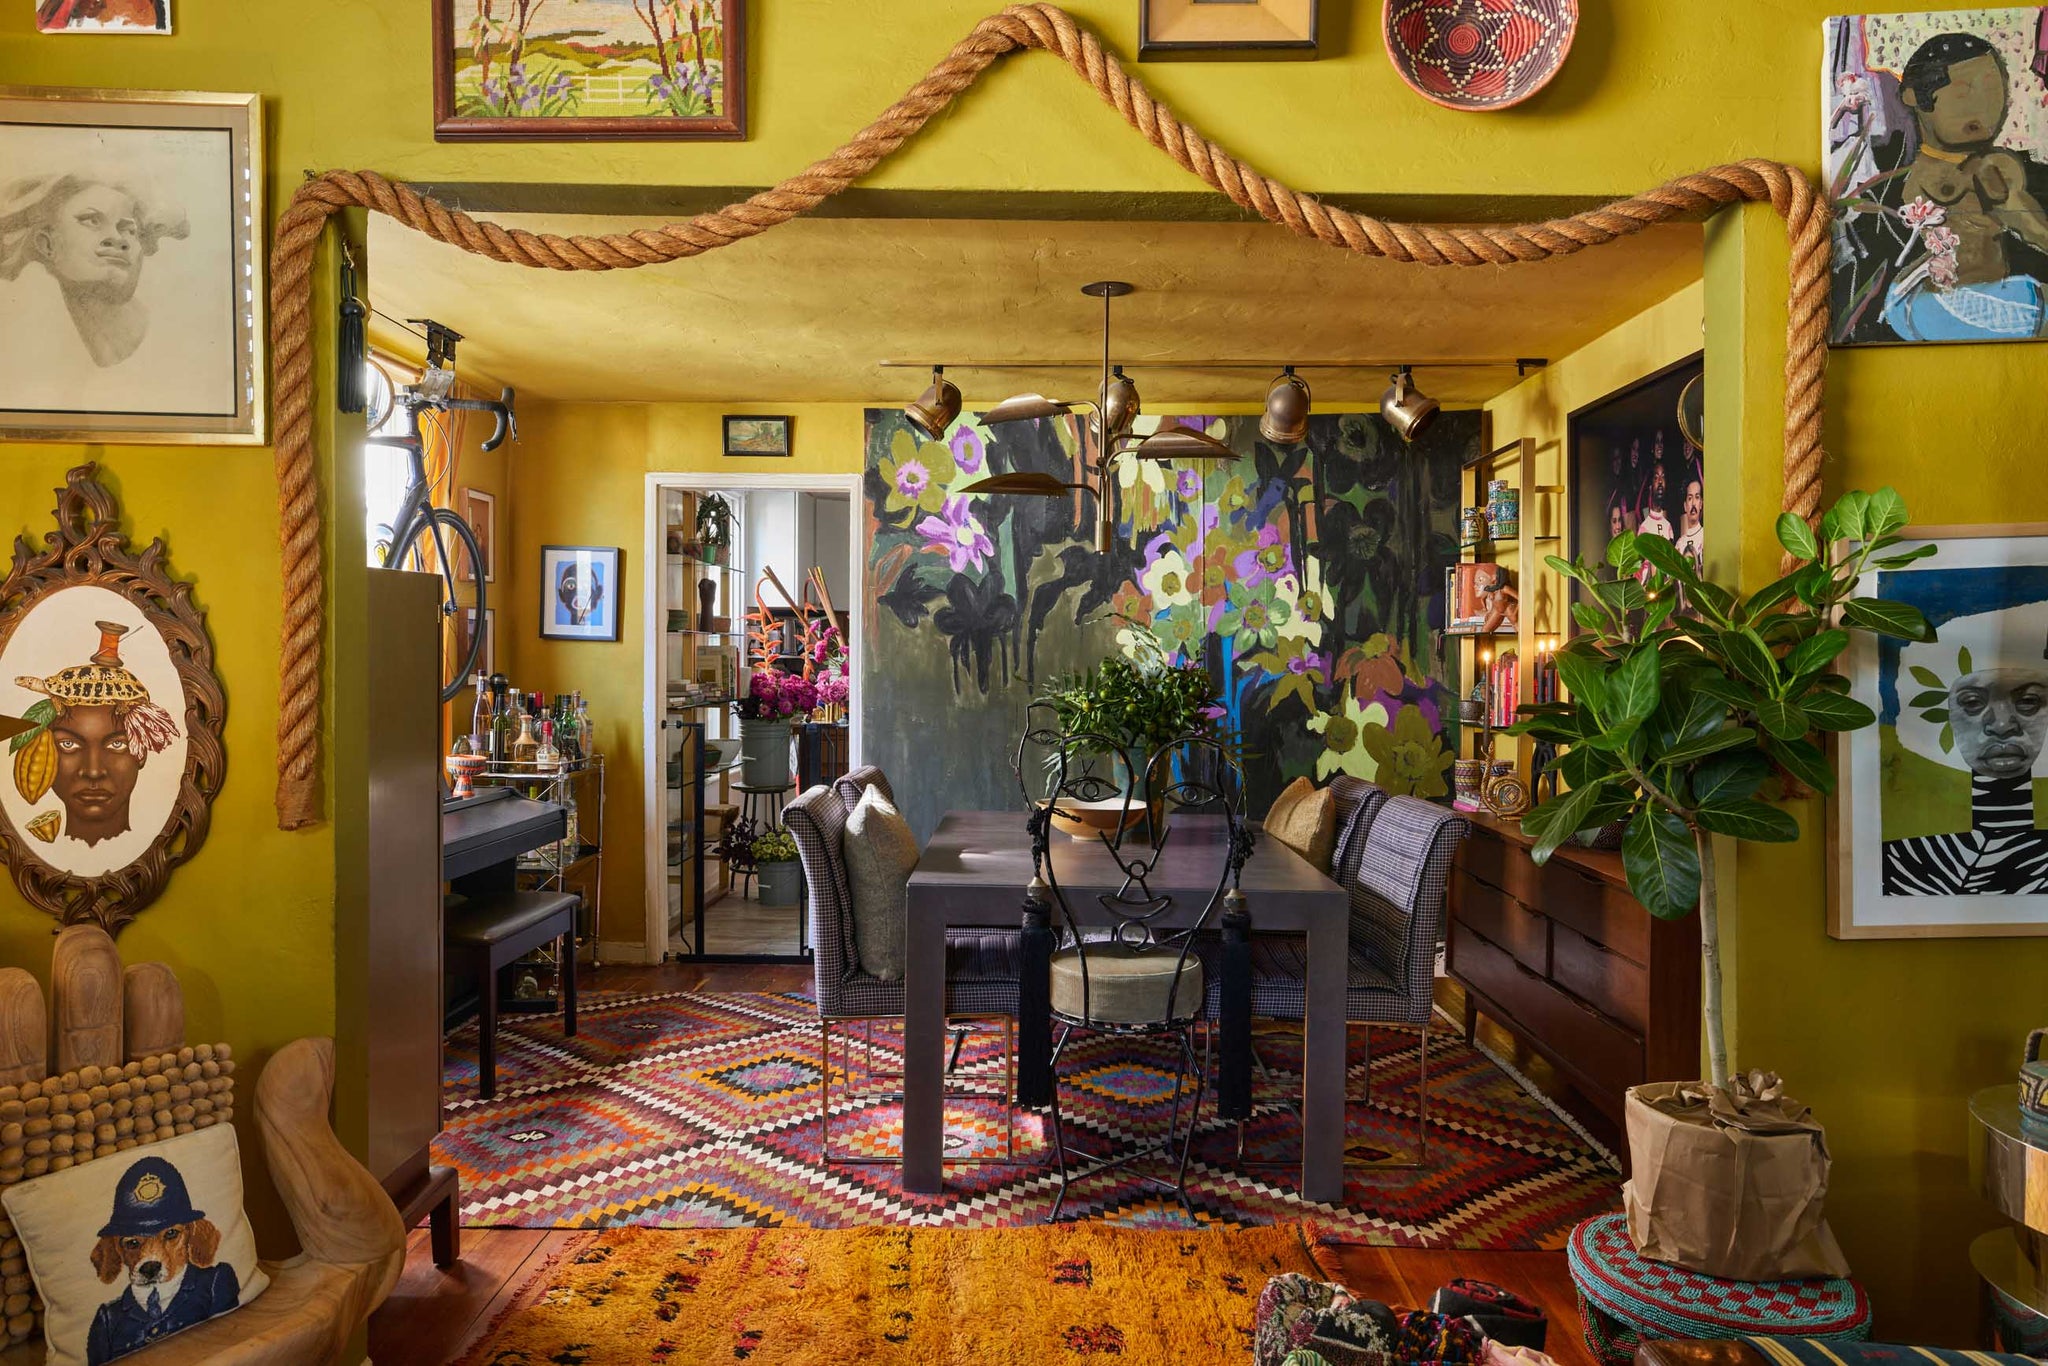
pixel 756 435
pixel 1936 825
pixel 628 70
pixel 1935 152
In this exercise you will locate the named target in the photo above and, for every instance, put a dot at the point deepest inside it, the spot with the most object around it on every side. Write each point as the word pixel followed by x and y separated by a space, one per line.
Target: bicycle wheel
pixel 429 543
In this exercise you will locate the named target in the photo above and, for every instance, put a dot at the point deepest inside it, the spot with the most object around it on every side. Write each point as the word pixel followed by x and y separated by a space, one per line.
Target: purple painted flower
pixel 1271 558
pixel 967 449
pixel 1308 662
pixel 959 535
pixel 912 478
pixel 1188 484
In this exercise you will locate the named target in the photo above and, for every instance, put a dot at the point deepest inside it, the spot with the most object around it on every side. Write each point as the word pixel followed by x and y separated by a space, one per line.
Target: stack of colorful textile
pixel 1305 1322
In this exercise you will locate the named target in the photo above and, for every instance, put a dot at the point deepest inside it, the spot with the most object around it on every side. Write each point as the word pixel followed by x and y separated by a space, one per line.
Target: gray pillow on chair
pixel 880 853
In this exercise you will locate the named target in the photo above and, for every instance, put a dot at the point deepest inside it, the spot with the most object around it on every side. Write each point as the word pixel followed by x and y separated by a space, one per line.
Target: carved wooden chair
pixel 352 1242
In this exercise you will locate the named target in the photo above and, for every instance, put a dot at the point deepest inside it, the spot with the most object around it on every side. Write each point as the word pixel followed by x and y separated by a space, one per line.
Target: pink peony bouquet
pixel 776 696
pixel 832 689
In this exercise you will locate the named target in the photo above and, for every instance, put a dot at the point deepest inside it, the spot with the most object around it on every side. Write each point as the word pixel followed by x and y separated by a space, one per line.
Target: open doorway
pixel 744 573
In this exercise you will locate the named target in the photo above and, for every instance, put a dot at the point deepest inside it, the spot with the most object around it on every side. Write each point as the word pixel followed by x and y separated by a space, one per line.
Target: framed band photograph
pixel 1936 824
pixel 131 266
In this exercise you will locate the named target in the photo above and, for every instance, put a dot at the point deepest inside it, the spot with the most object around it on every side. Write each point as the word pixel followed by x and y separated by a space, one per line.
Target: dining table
pixel 973 874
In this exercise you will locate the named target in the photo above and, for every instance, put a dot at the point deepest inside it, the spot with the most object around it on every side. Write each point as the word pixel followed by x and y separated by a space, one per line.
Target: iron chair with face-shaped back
pixel 981 965
pixel 1134 980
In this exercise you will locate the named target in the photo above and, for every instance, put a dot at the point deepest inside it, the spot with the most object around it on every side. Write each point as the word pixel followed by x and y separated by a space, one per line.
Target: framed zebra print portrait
pixel 1939 824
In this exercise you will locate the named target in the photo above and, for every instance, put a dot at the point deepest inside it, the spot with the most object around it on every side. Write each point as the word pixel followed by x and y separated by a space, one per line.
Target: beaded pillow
pixel 44 1129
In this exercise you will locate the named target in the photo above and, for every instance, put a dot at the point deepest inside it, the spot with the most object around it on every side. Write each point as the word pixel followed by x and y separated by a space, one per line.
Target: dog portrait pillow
pixel 129 1249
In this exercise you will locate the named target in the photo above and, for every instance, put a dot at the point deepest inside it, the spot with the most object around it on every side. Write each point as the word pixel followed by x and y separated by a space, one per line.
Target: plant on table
pixel 1686 698
pixel 1139 702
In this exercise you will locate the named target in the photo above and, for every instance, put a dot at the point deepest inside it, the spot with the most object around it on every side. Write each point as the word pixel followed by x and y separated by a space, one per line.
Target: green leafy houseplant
pixel 1138 704
pixel 714 526
pixel 775 846
pixel 1687 697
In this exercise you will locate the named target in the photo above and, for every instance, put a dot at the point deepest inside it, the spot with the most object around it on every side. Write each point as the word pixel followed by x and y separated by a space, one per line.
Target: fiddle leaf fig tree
pixel 1687 697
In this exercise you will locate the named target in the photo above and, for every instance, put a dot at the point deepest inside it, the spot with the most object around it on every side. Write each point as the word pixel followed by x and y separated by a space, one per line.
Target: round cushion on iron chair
pixel 1125 986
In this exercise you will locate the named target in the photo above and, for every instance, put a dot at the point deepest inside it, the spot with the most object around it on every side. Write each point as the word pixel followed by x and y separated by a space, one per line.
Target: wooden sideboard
pixel 1573 965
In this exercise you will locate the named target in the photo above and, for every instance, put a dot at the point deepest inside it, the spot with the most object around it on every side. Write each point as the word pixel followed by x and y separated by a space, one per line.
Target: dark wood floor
pixel 433 1315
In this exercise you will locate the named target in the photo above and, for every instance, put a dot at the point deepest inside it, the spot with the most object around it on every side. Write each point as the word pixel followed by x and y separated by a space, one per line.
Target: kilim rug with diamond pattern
pixel 700 1110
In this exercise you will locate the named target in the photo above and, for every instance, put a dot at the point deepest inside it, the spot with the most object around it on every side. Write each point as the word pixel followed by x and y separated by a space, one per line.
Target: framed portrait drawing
pixel 625 70
pixel 756 435
pixel 103 16
pixel 1936 827
pixel 579 597
pixel 131 266
pixel 1934 142
pixel 106 658
pixel 480 510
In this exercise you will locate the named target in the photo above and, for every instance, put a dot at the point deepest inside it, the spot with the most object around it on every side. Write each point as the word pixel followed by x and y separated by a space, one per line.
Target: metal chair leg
pixel 1059 1133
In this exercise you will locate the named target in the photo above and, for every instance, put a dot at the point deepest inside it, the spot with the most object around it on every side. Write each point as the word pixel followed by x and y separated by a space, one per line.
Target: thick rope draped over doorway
pixel 1017 28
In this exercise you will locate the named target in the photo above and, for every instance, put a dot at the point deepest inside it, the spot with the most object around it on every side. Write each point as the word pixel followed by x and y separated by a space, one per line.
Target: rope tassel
pixel 1017 28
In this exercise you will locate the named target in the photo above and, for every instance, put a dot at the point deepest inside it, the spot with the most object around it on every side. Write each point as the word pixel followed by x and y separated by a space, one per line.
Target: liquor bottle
pixel 501 719
pixel 586 735
pixel 526 745
pixel 547 757
pixel 480 716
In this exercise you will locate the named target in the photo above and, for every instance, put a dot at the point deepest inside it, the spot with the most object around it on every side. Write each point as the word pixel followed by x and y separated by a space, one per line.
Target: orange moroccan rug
pixel 887 1295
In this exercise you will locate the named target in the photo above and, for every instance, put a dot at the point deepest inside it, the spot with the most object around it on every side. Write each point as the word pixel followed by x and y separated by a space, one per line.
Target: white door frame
pixel 655 936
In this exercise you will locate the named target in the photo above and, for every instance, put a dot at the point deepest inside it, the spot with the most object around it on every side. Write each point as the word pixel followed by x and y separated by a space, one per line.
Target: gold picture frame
pixel 152 332
pixel 1261 29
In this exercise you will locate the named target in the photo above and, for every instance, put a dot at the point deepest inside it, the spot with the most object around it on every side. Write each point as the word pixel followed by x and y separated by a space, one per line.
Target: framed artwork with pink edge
pixel 1934 138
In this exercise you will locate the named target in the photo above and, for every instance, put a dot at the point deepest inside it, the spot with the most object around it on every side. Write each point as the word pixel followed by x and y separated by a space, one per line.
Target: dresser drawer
pixel 1500 918
pixel 1500 864
pixel 1601 1054
pixel 1595 907
pixel 1600 977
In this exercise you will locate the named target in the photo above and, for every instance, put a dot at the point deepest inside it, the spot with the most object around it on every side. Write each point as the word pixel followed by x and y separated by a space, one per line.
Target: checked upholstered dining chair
pixel 1394 858
pixel 981 965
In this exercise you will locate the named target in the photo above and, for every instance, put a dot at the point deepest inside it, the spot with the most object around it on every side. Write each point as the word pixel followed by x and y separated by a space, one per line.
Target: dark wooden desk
pixel 974 872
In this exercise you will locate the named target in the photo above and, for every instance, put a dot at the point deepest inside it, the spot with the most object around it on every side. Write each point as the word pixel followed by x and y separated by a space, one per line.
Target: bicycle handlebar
pixel 499 408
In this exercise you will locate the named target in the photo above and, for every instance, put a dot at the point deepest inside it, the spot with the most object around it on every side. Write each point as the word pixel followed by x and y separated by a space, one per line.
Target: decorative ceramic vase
pixel 1504 514
pixel 1471 710
pixel 2033 1086
pixel 779 881
pixel 707 601
pixel 462 771
pixel 1471 526
pixel 764 754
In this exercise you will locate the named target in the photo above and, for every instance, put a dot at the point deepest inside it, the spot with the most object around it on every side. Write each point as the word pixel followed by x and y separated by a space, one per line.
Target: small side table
pixel 1625 1299
pixel 2010 1169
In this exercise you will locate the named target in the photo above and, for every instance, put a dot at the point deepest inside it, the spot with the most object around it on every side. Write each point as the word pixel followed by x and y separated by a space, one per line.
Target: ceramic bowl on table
pixel 1479 54
pixel 1087 820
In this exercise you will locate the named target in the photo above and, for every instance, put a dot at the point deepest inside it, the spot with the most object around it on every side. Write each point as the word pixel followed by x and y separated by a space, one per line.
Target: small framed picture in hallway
pixel 579 592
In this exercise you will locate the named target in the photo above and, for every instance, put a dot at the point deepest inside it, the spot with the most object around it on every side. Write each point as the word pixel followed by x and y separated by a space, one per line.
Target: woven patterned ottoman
pixel 1625 1298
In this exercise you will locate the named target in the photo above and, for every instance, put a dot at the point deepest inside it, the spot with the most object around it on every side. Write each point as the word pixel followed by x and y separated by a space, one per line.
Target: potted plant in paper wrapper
pixel 1686 700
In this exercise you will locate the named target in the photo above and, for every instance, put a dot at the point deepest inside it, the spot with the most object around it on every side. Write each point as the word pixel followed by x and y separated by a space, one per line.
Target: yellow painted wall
pixel 1886 1039
pixel 579 477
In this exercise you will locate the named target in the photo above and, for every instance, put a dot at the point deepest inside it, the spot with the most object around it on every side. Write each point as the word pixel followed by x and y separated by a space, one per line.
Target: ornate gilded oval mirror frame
pixel 79 803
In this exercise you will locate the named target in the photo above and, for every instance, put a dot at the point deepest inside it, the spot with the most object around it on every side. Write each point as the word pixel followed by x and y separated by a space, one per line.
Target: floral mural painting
pixel 1306 578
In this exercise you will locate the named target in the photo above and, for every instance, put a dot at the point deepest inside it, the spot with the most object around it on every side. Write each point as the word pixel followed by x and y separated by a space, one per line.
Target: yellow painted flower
pixel 1343 732
pixel 1303 594
pixel 916 475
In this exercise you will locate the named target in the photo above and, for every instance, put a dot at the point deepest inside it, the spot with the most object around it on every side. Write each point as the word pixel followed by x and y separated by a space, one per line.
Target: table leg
pixel 924 1056
pixel 1322 1073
